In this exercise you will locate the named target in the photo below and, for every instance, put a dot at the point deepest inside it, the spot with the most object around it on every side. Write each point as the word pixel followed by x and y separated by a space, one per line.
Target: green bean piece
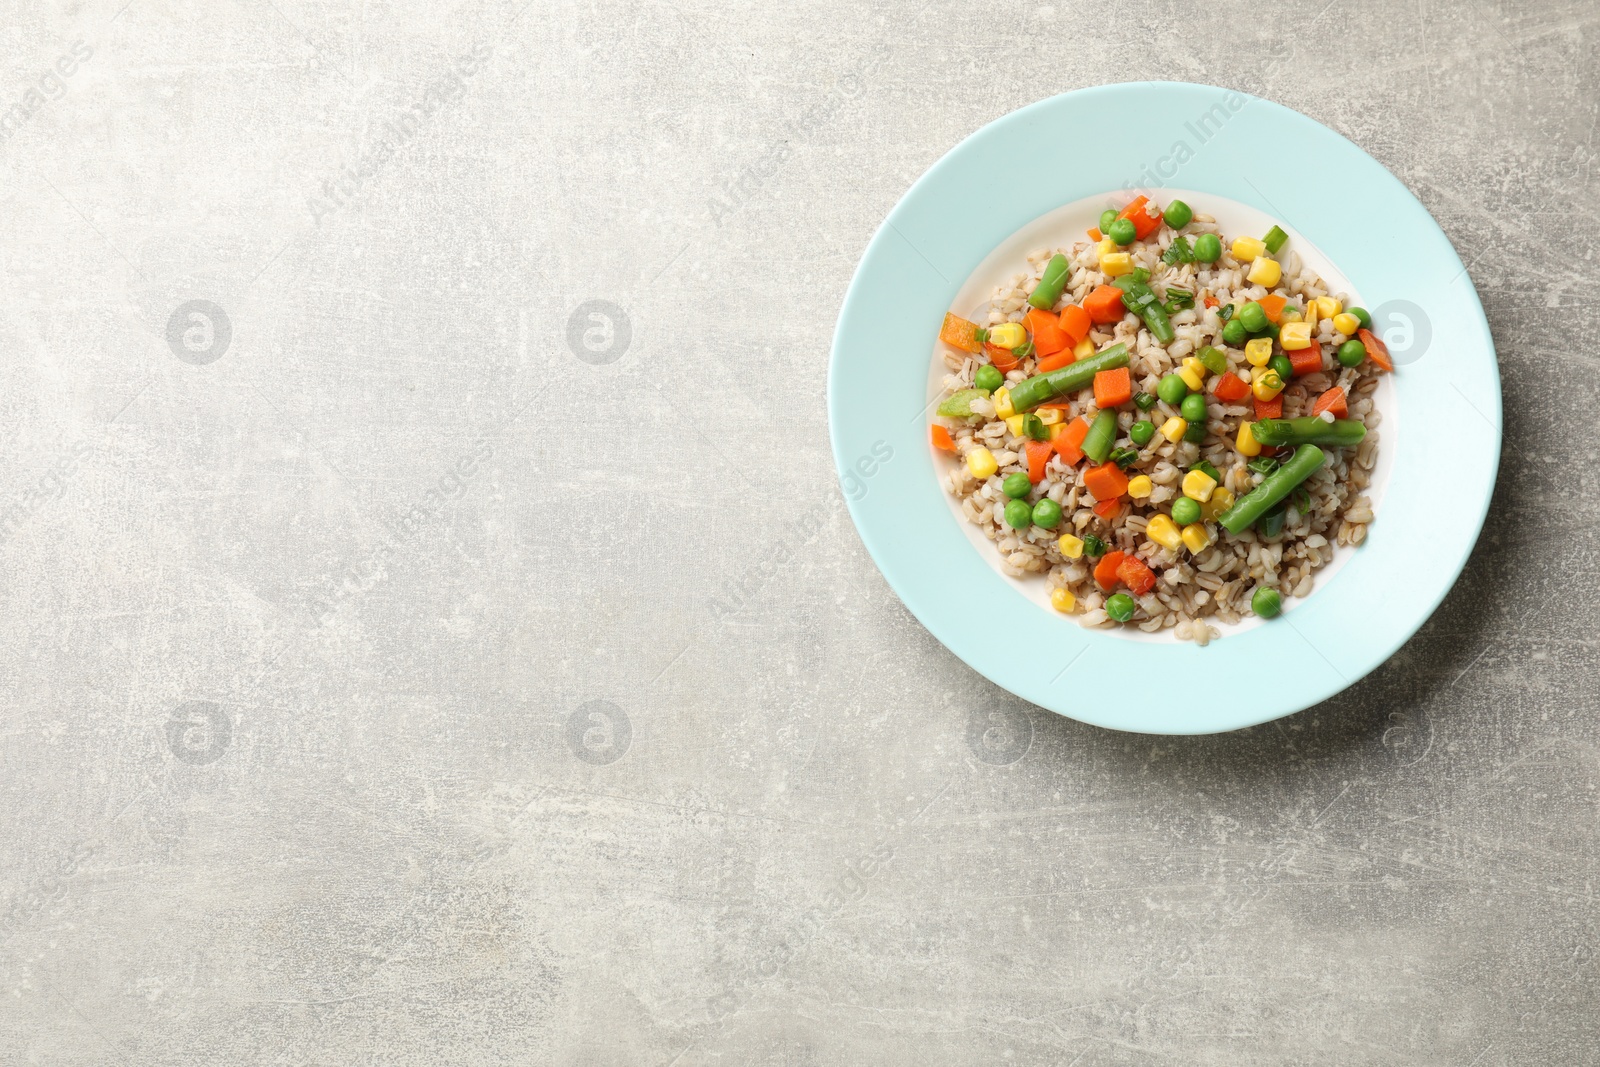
pixel 1254 317
pixel 1177 214
pixel 1102 432
pixel 1282 365
pixel 1305 462
pixel 1234 333
pixel 1213 359
pixel 1122 231
pixel 958 405
pixel 1172 389
pixel 1016 485
pixel 1047 513
pixel 1185 511
pixel 1144 401
pixel 1351 353
pixel 1207 248
pixel 1054 279
pixel 1093 547
pixel 1193 407
pixel 1107 217
pixel 1266 602
pixel 1032 392
pixel 1310 430
pixel 988 378
pixel 1141 432
pixel 1274 240
pixel 1362 316
pixel 1140 299
pixel 1120 606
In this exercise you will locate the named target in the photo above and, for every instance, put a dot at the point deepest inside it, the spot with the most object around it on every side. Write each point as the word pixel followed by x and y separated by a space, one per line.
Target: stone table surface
pixel 435 634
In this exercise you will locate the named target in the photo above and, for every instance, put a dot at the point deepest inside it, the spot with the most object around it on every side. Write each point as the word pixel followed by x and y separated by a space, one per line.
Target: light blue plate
pixel 1446 447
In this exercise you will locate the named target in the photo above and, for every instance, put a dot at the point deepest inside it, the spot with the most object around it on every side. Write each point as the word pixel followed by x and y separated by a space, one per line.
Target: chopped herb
pixel 1143 401
pixel 1179 251
pixel 1210 471
pixel 1024 350
pixel 1226 313
pixel 1178 300
pixel 1093 547
pixel 1262 465
pixel 1140 274
pixel 1034 427
pixel 1301 498
pixel 1124 457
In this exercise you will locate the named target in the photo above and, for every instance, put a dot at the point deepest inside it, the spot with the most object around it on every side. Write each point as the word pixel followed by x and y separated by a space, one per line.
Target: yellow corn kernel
pixel 1057 430
pixel 1311 314
pixel 1071 547
pixel 1174 428
pixel 1084 350
pixel 981 462
pixel 1107 247
pixel 1002 402
pixel 1247 248
pixel 1265 271
pixel 1063 600
pixel 1328 307
pixel 1221 500
pixel 1014 422
pixel 1139 486
pixel 1116 264
pixel 1049 416
pixel 1198 486
pixel 1194 379
pixel 1196 537
pixel 1164 532
pixel 1007 334
pixel 1258 350
pixel 1289 314
pixel 1295 336
pixel 1195 365
pixel 1346 323
pixel 1246 442
pixel 1266 385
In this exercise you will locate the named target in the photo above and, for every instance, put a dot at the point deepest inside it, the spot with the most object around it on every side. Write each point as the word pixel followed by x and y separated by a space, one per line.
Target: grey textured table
pixel 447 644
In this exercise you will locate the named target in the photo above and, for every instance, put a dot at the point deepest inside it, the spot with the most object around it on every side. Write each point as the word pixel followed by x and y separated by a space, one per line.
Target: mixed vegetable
pixel 1034 367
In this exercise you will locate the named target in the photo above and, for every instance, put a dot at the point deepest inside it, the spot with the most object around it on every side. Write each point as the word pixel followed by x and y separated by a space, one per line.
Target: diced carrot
pixel 1270 409
pixel 960 333
pixel 1333 400
pixel 1057 361
pixel 1377 351
pixel 1306 360
pixel 1108 509
pixel 941 438
pixel 1104 305
pixel 1067 444
pixel 1136 576
pixel 1003 360
pixel 1095 235
pixel 1230 387
pixel 1039 453
pixel 1112 387
pixel 1106 482
pixel 1144 224
pixel 1211 301
pixel 1048 337
pixel 1269 450
pixel 1075 323
pixel 1273 305
pixel 1105 572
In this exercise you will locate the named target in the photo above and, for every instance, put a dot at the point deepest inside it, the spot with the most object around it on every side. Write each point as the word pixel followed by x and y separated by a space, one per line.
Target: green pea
pixel 1254 317
pixel 1282 365
pixel 1122 232
pixel 1185 510
pixel 1172 389
pixel 1207 248
pixel 1266 602
pixel 1047 513
pixel 1141 432
pixel 1178 214
pixel 1234 333
pixel 1120 606
pixel 1016 485
pixel 988 378
pixel 1018 513
pixel 1107 217
pixel 1351 353
pixel 1361 317
pixel 1193 407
